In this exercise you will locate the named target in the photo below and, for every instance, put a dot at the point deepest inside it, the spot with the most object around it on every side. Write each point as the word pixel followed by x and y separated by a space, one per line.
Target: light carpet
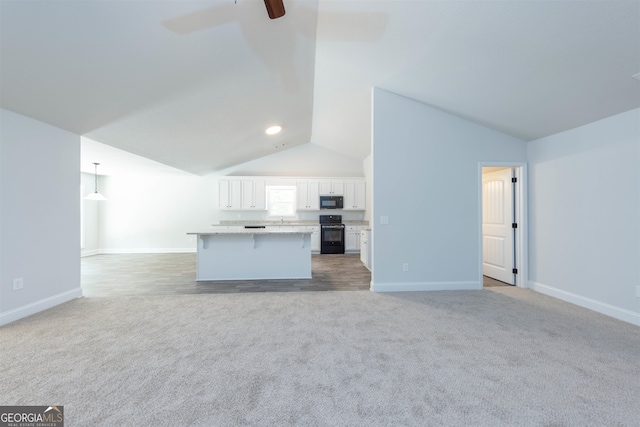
pixel 498 357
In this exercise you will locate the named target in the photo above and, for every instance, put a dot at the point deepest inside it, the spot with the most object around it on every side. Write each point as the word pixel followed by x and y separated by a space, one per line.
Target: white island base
pixel 249 255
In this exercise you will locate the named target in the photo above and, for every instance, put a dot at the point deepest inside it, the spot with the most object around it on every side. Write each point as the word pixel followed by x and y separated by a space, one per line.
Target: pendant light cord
pixel 96 177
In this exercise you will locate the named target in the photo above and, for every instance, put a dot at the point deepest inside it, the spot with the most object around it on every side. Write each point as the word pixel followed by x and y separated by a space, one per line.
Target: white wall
pixel 425 179
pixel 153 213
pixel 39 216
pixel 584 219
pixel 90 216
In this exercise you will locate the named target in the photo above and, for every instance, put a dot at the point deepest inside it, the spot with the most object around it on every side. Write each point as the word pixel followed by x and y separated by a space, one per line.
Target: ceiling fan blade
pixel 275 8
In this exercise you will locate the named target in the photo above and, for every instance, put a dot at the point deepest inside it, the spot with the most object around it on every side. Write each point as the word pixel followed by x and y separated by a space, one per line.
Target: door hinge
pixel 515 271
pixel 514 179
pixel 514 225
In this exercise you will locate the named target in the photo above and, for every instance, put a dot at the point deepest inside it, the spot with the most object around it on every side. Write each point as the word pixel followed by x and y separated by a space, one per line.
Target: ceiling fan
pixel 275 8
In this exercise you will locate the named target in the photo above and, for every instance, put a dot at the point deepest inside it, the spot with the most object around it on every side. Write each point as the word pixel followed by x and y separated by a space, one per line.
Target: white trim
pixel 38 306
pixel 89 252
pixel 147 251
pixel 425 286
pixel 591 304
pixel 521 218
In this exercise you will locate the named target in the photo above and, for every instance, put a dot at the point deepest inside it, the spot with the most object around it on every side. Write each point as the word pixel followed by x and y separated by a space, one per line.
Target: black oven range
pixel 331 234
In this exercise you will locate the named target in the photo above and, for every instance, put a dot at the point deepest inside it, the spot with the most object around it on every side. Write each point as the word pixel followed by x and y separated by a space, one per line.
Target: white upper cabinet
pixel 331 187
pixel 250 193
pixel 253 195
pixel 308 195
pixel 230 194
pixel 354 195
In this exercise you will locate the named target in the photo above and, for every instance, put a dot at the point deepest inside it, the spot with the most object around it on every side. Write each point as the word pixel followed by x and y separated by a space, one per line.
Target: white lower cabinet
pixel 365 250
pixel 352 239
pixel 315 238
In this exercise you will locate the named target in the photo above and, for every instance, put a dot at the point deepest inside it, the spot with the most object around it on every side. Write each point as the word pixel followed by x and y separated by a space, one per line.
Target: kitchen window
pixel 281 201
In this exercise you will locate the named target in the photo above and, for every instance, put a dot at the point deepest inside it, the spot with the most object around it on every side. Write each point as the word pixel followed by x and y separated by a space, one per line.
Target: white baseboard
pixel 148 251
pixel 597 306
pixel 38 306
pixel 89 252
pixel 425 286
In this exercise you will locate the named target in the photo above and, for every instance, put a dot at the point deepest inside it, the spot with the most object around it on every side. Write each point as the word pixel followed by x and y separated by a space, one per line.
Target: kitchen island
pixel 247 254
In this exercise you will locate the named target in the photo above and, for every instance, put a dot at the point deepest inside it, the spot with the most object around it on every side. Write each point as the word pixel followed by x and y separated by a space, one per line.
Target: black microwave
pixel 331 202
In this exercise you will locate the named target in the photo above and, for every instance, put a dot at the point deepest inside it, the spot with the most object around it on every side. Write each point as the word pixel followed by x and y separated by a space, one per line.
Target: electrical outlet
pixel 405 266
pixel 18 284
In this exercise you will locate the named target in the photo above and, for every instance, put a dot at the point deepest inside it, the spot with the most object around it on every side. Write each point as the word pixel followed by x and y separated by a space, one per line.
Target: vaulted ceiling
pixel 194 84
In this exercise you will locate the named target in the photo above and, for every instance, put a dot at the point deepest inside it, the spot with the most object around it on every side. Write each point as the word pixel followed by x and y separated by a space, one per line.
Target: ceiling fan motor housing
pixel 275 8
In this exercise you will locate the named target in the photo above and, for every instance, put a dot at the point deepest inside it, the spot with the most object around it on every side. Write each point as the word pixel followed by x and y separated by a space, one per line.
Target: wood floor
pixel 170 274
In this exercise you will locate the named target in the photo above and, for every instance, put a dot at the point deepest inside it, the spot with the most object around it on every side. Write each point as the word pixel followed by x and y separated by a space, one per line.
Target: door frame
pixel 522 258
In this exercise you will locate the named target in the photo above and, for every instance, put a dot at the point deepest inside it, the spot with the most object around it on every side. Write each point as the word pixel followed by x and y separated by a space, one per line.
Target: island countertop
pixel 252 231
pixel 287 223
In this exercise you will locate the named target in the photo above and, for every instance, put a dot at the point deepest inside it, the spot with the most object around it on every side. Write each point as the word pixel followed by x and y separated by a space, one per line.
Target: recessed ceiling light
pixel 636 76
pixel 273 130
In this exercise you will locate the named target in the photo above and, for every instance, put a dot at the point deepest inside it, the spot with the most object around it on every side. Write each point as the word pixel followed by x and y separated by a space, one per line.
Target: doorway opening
pixel 502 224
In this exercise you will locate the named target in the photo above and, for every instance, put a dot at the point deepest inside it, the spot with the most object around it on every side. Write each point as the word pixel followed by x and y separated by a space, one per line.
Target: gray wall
pixel 425 179
pixel 584 228
pixel 39 216
pixel 367 166
pixel 303 160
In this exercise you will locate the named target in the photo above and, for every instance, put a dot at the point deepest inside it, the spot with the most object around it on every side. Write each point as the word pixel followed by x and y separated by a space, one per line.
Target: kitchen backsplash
pixel 311 217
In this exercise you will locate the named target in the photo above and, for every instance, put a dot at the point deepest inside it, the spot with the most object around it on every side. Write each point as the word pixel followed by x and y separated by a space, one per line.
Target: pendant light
pixel 95 195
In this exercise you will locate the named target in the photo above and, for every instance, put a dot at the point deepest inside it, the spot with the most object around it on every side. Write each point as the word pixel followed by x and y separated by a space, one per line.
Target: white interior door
pixel 497 220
